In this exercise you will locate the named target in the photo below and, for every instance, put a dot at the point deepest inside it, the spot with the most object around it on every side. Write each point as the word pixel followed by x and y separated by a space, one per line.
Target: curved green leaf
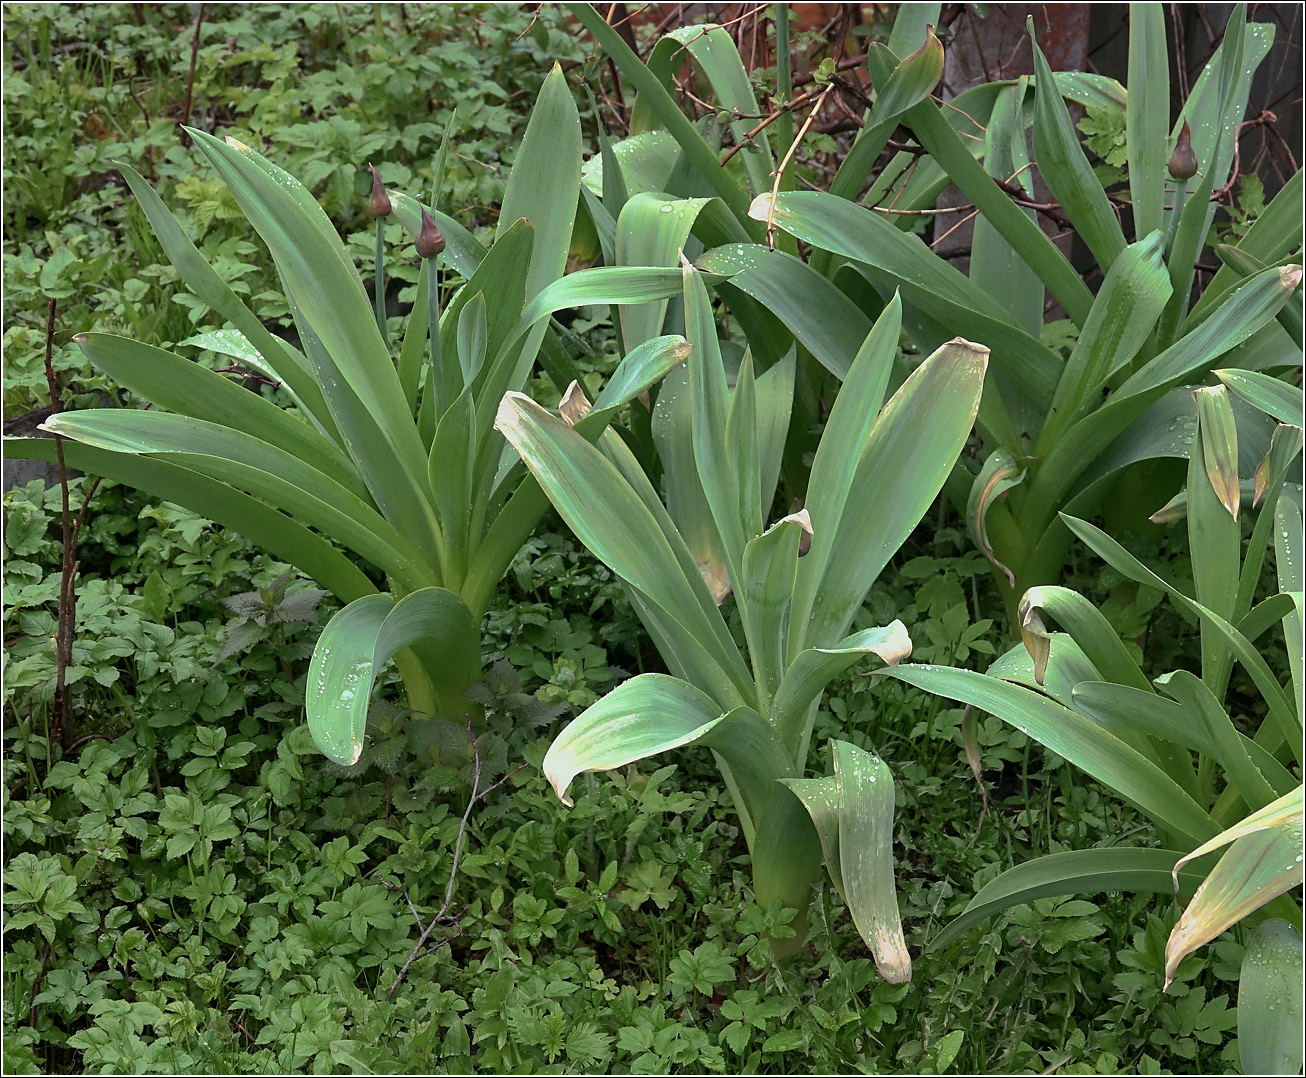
pixel 813 669
pixel 181 386
pixel 1000 473
pixel 612 521
pixel 1264 861
pixel 926 281
pixel 1273 396
pixel 1076 872
pixel 265 471
pixel 654 713
pixel 1079 740
pixel 1066 170
pixel 900 470
pixel 360 638
pixel 275 532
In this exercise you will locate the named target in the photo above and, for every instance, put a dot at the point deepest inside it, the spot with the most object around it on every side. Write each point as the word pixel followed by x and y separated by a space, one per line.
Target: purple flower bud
pixel 430 240
pixel 379 204
pixel 1183 162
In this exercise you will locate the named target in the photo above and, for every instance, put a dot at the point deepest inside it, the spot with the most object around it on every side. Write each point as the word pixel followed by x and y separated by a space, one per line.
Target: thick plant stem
pixel 379 285
pixel 786 864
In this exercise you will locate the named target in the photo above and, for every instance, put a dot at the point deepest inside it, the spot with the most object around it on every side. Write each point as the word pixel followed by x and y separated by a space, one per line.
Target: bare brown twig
pixel 190 77
pixel 442 917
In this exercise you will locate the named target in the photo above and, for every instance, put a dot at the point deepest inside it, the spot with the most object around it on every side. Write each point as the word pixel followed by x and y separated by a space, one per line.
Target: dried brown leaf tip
pixel 430 240
pixel 378 205
pixel 1183 162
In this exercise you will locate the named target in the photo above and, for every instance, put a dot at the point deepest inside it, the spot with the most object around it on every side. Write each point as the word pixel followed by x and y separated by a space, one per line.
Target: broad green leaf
pixel 1066 170
pixel 1123 710
pixel 1273 236
pixel 320 279
pixel 1288 551
pixel 822 318
pixel 770 567
pixel 652 231
pixel 866 805
pixel 813 669
pixel 900 471
pixel 1264 861
pixel 645 161
pixel 1077 872
pixel 1285 446
pixel 912 81
pixel 545 173
pixel 449 473
pixel 1086 625
pixel 473 337
pixel 261 524
pixel 359 639
pixel 635 374
pixel 713 49
pixel 709 401
pixel 925 281
pixel 1122 317
pixel 775 402
pixel 611 520
pixel 1068 734
pixel 943 143
pixel 1000 473
pixel 184 387
pixel 201 278
pixel 1214 539
pixel 994 263
pixel 1219 442
pixel 848 431
pixel 786 863
pixel 264 470
pixel 1271 395
pixel 652 714
pixel 643 367
pixel 1147 115
pixel 1270 1011
pixel 341 339
pixel 742 452
pixel 698 153
pixel 672 426
pixel 1281 707
pixel 852 811
pixel 1246 311
pixel 1253 786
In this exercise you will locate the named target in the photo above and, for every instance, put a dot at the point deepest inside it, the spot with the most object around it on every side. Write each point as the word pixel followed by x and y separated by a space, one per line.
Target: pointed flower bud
pixel 1183 162
pixel 430 240
pixel 379 204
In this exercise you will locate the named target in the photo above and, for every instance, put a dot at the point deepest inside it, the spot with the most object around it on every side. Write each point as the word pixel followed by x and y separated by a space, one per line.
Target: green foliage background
pixel 192 889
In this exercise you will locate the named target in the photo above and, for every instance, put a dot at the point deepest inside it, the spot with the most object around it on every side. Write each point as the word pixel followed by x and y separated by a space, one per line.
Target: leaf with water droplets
pixel 853 814
pixel 359 639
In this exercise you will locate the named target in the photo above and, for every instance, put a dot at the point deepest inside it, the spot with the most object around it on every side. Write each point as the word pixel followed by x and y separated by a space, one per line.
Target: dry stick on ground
pixel 190 77
pixel 442 917
pixel 63 647
pixel 36 986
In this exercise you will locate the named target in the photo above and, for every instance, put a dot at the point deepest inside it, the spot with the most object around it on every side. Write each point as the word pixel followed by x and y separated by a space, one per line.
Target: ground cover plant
pixel 191 885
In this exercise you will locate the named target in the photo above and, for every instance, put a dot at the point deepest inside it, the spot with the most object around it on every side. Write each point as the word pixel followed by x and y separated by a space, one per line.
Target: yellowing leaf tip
pixel 508 418
pixel 574 405
pixel 801 518
pixel 760 210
